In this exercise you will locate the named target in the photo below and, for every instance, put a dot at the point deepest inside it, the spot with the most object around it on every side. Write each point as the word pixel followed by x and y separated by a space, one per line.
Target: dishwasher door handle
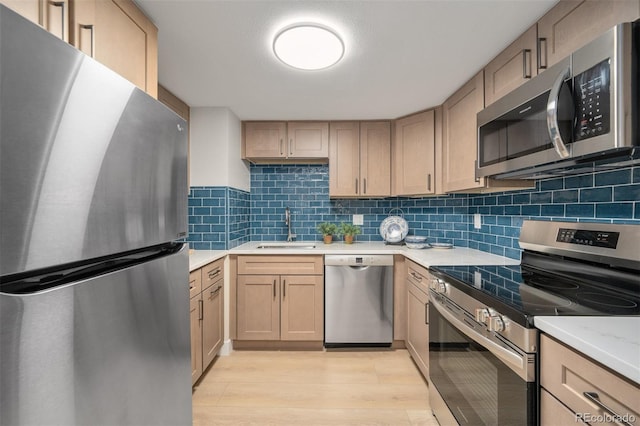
pixel 359 267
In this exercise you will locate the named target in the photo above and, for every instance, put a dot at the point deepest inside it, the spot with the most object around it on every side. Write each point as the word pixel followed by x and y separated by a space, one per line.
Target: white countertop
pixel 426 257
pixel 199 258
pixel 612 341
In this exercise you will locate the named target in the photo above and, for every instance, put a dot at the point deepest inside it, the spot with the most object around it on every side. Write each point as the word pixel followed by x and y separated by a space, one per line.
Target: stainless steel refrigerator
pixel 94 305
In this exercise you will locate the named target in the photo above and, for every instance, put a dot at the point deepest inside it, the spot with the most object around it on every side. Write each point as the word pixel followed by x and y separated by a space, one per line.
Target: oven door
pixel 477 383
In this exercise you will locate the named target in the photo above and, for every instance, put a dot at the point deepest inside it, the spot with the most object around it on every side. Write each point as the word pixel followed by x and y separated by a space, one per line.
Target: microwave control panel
pixel 592 99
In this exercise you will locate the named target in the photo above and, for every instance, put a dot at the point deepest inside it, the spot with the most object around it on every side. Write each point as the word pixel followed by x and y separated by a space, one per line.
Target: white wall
pixel 216 137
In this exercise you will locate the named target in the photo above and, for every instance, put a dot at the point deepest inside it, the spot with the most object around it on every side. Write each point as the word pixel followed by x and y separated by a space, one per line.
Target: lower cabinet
pixel 286 306
pixel 577 389
pixel 206 287
pixel 418 316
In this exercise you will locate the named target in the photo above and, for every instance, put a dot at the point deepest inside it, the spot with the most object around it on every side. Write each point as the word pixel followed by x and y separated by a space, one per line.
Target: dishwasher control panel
pixel 358 260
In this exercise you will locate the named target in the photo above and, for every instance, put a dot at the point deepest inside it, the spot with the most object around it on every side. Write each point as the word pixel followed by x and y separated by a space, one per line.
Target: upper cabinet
pixel 114 32
pixel 119 35
pixel 459 143
pixel 512 67
pixel 359 159
pixel 266 141
pixel 178 106
pixel 51 15
pixel 414 168
pixel 572 23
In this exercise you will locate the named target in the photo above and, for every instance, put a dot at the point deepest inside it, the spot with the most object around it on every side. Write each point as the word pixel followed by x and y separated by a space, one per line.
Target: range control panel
pixel 585 237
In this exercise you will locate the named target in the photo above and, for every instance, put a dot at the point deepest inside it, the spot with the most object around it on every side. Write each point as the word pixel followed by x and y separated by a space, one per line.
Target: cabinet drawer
pixel 195 283
pixel 568 375
pixel 212 272
pixel 280 265
pixel 418 275
pixel 553 413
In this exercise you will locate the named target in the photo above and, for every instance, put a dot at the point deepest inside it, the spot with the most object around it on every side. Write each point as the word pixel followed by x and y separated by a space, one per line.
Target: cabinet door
pixel 302 307
pixel 258 307
pixel 265 139
pixel 82 26
pixel 571 24
pixel 552 412
pixel 344 159
pixel 459 144
pixel 308 140
pixel 414 155
pixel 418 327
pixel 195 283
pixel 570 377
pixel 195 312
pixel 375 158
pixel 127 42
pixel 30 9
pixel 512 67
pixel 212 320
pixel 53 16
pixel 56 18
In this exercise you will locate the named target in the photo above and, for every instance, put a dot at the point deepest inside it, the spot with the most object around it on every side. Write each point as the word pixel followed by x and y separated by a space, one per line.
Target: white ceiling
pixel 401 56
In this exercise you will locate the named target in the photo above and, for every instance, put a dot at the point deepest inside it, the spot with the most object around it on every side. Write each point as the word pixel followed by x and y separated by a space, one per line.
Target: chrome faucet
pixel 287 221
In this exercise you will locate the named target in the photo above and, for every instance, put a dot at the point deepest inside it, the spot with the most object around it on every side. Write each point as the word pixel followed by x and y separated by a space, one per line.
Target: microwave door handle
pixel 552 114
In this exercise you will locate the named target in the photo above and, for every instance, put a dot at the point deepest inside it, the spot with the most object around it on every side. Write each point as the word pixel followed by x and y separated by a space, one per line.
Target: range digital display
pixel 584 237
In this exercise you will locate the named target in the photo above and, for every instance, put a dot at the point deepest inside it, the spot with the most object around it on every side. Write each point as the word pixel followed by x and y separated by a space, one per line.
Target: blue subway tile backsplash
pixel 218 218
pixel 223 217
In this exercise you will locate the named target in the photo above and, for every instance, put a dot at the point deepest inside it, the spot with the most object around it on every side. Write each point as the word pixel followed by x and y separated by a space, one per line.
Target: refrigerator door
pixel 89 164
pixel 109 350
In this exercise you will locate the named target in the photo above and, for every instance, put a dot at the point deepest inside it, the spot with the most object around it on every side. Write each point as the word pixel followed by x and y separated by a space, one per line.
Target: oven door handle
pixel 517 362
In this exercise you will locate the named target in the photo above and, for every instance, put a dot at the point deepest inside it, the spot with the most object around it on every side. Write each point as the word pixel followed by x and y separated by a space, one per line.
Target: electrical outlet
pixel 477 279
pixel 477 221
pixel 358 219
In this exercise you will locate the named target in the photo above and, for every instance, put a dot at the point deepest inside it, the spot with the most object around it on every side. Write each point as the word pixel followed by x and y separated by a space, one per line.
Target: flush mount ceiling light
pixel 308 46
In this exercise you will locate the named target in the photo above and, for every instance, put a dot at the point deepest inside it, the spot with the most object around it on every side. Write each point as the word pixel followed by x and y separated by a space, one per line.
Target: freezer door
pixel 110 350
pixel 89 164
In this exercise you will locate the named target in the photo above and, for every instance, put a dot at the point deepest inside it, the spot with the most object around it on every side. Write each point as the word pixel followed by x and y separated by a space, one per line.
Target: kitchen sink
pixel 284 245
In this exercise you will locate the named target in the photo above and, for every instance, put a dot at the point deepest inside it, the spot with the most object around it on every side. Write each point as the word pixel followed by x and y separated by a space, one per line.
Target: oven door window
pixel 476 386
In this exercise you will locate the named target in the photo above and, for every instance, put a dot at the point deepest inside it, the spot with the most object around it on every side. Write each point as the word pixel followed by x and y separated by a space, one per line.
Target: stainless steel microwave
pixel 578 116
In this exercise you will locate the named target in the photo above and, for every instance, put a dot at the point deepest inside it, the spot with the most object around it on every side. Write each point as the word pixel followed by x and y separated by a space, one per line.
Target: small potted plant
pixel 349 231
pixel 327 230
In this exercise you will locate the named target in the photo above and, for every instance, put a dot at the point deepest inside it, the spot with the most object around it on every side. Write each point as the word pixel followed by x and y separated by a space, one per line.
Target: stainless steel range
pixel 483 347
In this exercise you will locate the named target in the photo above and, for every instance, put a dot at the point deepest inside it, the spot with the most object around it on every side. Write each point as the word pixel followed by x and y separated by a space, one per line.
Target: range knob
pixel 482 315
pixel 496 323
pixel 441 286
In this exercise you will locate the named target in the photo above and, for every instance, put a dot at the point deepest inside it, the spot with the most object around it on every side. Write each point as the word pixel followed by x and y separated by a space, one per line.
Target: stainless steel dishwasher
pixel 358 300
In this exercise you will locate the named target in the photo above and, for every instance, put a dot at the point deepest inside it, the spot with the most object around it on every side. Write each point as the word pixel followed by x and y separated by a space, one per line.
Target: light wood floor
pixel 313 388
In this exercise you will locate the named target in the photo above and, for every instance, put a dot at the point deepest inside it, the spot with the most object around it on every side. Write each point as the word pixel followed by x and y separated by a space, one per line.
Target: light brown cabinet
pixel 53 16
pixel 460 146
pixel 418 316
pixel 413 151
pixel 195 315
pixel 114 32
pixel 206 287
pixel 359 159
pixel 294 140
pixel 280 298
pixel 583 385
pixel 178 106
pixel 117 34
pixel 570 24
pixel 514 66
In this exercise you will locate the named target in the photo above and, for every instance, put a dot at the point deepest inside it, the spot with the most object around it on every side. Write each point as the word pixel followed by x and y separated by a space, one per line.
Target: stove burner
pixel 553 283
pixel 606 300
